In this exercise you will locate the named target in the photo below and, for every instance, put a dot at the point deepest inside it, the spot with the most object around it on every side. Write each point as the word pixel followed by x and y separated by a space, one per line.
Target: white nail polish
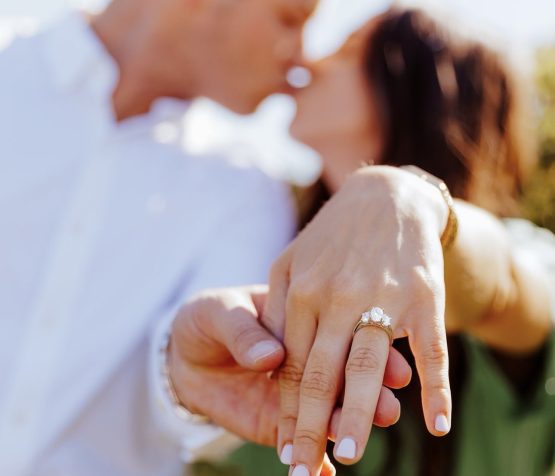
pixel 300 470
pixel 347 449
pixel 442 424
pixel 286 456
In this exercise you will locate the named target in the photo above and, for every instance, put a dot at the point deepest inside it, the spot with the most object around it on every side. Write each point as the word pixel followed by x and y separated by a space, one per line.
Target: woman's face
pixel 337 113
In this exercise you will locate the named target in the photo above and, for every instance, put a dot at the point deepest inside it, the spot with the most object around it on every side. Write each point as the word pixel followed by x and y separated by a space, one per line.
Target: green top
pixel 497 433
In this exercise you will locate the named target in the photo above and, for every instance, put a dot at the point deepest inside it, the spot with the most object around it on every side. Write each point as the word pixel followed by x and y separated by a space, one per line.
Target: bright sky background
pixel 518 25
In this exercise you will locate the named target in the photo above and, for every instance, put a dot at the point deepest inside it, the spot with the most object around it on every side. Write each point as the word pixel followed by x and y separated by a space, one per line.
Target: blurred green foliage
pixel 539 196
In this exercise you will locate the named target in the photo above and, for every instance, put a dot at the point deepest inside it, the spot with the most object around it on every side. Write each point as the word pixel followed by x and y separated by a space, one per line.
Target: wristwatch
pixel 451 229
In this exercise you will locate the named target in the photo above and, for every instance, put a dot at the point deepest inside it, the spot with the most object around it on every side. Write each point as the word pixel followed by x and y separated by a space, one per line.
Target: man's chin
pixel 242 108
pixel 251 105
pixel 296 132
pixel 248 106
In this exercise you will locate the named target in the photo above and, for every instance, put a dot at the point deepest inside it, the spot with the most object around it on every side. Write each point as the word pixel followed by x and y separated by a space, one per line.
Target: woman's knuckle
pixel 302 291
pixel 318 384
pixel 308 437
pixel 288 420
pixel 344 289
pixel 291 375
pixel 364 360
pixel 357 414
pixel 435 354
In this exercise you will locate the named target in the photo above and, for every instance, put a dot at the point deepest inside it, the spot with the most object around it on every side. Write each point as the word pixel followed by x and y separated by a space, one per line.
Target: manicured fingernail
pixel 286 456
pixel 347 449
pixel 300 470
pixel 262 350
pixel 442 424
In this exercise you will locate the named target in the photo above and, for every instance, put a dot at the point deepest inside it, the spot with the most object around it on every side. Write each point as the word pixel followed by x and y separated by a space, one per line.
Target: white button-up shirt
pixel 104 228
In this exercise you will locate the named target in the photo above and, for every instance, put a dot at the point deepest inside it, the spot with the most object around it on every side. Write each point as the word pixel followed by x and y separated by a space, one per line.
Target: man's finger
pixel 398 372
pixel 231 319
pixel 327 468
pixel 388 412
pixel 273 316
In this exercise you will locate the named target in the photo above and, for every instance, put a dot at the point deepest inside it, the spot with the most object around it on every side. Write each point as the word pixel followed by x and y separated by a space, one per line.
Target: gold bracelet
pixel 452 227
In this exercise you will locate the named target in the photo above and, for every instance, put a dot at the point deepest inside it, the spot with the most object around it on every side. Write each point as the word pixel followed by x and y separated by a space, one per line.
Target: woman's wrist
pixel 451 228
pixel 413 197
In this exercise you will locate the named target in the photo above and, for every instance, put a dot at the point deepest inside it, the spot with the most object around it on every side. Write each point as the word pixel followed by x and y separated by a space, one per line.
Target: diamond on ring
pixel 375 317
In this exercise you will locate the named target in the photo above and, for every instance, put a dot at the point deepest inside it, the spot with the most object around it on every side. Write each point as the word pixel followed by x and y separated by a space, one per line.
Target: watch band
pixel 452 227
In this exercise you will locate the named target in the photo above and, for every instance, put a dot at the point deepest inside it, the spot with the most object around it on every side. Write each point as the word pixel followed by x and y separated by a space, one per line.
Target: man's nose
pixel 290 50
pixel 298 57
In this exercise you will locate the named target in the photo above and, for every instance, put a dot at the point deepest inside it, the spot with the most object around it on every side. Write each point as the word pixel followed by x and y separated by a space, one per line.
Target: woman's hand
pixel 220 356
pixel 375 243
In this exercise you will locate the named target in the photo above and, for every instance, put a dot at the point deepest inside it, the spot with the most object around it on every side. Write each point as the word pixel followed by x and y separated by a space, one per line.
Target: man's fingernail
pixel 442 424
pixel 286 456
pixel 300 470
pixel 262 350
pixel 347 449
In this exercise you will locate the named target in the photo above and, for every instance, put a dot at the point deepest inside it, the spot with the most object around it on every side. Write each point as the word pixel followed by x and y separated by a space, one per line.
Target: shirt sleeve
pixel 251 234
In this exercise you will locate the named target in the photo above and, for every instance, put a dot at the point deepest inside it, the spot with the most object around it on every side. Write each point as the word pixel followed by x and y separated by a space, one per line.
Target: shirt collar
pixel 78 60
pixel 77 57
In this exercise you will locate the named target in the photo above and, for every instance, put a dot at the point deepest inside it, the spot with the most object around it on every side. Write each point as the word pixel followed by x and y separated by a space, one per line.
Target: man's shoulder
pixel 22 68
pixel 21 51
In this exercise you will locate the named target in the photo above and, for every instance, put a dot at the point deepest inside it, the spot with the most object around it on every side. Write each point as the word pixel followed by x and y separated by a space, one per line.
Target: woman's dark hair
pixel 451 106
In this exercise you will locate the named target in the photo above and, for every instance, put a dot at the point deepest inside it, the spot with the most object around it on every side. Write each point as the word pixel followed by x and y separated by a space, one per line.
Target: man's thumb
pixel 252 346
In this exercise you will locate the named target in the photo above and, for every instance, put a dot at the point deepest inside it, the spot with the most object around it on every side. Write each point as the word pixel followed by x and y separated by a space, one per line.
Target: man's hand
pixel 220 356
pixel 376 243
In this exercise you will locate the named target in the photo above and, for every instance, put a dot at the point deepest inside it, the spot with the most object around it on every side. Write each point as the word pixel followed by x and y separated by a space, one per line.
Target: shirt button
pixel 550 386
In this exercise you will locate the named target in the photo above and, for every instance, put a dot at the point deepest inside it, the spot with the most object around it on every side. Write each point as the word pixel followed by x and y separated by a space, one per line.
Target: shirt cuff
pixel 195 440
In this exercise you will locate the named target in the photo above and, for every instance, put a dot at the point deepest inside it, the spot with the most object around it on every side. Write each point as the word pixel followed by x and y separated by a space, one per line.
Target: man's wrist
pixel 167 374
